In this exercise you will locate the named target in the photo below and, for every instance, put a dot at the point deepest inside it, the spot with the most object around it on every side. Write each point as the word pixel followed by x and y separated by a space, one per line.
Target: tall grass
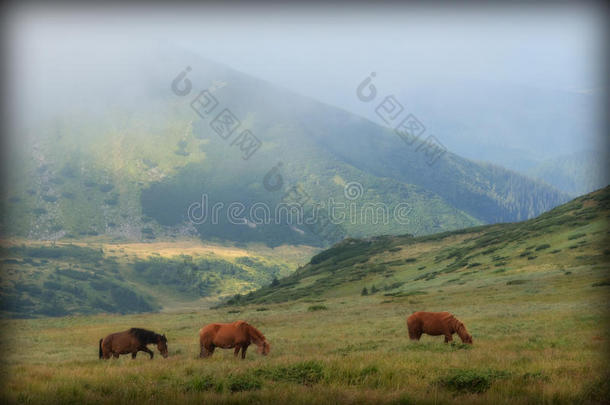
pixel 546 349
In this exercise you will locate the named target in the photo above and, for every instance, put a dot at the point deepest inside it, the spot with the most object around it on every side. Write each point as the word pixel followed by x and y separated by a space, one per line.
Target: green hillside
pixel 131 171
pixel 43 279
pixel 568 241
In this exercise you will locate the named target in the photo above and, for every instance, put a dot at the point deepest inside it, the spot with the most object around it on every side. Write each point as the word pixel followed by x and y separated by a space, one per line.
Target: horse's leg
pixel 133 355
pixel 115 355
pixel 207 351
pixel 448 337
pixel 236 352
pixel 147 350
pixel 243 351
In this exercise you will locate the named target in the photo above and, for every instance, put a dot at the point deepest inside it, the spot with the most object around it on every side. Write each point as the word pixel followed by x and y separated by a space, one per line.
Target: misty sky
pixel 321 52
pixel 554 47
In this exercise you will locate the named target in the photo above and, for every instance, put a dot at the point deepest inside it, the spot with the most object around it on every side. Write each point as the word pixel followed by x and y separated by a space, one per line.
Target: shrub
pixel 392 286
pixel 537 375
pixel 51 285
pixel 403 399
pixel 306 373
pixel 543 246
pixel 201 383
pixel 243 382
pixel 473 381
pixel 364 291
pixel 75 274
pixel 516 282
pixel 314 308
pixel 104 188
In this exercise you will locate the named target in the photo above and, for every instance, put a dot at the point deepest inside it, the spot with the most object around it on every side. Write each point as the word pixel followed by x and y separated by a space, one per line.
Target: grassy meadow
pixel 548 348
pixel 534 295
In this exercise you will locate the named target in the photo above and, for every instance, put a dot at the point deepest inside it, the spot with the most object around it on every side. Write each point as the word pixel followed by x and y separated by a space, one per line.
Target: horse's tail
pixel 101 352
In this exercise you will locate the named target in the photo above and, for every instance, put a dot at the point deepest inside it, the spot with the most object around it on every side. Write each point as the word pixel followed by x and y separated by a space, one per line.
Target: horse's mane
pixel 144 336
pixel 256 334
pixel 460 329
pixel 456 324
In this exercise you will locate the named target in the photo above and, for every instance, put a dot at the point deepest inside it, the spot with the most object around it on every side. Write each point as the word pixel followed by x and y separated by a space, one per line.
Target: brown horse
pixel 436 323
pixel 238 335
pixel 132 341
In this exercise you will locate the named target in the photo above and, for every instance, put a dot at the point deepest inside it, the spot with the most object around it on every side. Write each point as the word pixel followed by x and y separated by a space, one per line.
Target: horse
pixel 437 323
pixel 132 341
pixel 238 335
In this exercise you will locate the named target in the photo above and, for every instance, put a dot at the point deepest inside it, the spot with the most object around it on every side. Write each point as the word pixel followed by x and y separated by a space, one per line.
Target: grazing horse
pixel 238 335
pixel 132 341
pixel 437 323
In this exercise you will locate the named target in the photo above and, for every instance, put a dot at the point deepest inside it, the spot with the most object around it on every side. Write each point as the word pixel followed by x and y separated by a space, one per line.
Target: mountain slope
pixel 576 173
pixel 569 238
pixel 132 170
pixel 93 276
pixel 507 124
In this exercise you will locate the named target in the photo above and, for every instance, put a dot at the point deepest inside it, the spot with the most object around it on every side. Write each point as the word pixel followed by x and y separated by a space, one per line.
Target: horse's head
pixel 464 335
pixel 162 345
pixel 264 348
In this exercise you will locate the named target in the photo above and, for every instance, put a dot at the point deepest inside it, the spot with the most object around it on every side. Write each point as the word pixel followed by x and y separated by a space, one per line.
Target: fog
pixel 441 62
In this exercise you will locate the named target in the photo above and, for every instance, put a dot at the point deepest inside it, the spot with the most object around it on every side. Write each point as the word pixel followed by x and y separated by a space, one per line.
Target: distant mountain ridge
pixel 577 173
